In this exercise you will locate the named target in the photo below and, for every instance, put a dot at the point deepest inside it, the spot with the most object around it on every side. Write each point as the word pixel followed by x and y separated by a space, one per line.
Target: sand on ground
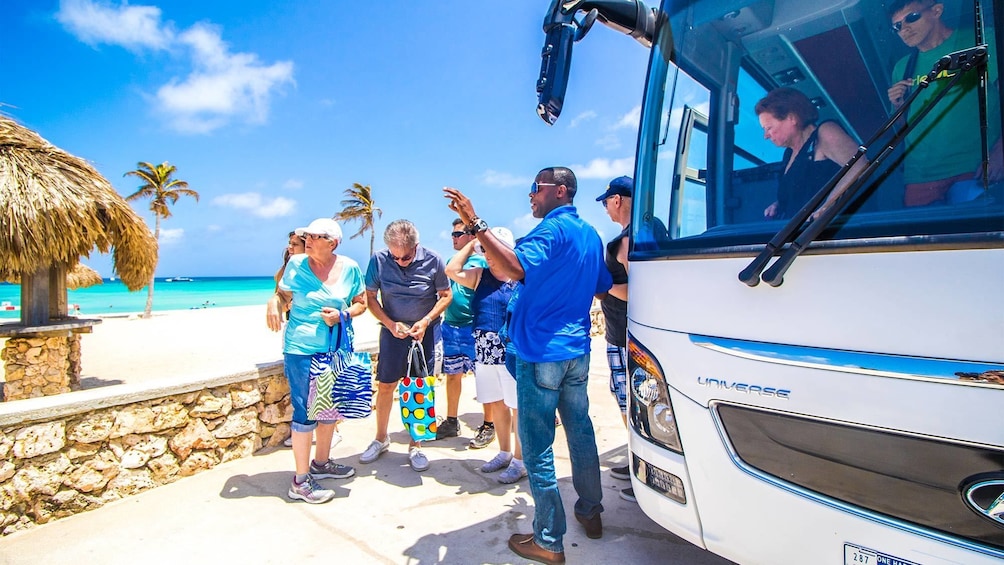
pixel 212 342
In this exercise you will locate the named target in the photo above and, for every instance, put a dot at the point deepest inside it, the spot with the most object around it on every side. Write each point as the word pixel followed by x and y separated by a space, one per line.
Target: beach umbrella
pixel 56 208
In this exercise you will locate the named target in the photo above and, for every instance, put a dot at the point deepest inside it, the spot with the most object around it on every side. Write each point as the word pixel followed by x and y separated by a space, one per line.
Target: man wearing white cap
pixel 496 387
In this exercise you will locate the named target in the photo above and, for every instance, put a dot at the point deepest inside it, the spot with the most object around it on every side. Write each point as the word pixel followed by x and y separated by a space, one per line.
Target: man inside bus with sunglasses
pixel 942 164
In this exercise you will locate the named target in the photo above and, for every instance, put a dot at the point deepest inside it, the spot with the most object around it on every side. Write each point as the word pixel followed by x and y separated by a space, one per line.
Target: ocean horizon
pixel 169 293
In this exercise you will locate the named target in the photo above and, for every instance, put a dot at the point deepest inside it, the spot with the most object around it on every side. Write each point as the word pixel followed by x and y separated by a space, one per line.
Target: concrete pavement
pixel 387 513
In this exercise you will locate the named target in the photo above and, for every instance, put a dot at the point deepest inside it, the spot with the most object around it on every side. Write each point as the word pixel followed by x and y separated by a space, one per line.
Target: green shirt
pixel 946 142
pixel 459 312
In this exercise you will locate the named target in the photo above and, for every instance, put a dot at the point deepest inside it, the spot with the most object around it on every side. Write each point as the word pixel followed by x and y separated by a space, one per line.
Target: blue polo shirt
pixel 563 261
pixel 407 294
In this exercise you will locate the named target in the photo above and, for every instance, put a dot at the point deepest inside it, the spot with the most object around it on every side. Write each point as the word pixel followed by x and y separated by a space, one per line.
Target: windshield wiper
pixel 963 61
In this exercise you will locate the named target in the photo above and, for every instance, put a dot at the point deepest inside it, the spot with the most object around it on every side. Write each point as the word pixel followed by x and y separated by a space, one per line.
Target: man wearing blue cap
pixel 617 202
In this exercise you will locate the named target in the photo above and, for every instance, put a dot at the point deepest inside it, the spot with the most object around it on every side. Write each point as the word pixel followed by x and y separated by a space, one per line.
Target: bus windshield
pixel 753 106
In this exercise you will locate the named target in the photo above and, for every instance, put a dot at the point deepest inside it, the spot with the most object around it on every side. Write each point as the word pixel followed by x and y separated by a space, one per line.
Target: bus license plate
pixel 854 555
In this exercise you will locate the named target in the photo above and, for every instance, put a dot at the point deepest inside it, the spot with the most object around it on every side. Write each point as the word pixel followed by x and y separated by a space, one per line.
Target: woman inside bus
pixel 813 153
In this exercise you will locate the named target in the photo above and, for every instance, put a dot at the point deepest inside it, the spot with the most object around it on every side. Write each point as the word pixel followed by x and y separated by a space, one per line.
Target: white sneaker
pixel 374 451
pixel 419 462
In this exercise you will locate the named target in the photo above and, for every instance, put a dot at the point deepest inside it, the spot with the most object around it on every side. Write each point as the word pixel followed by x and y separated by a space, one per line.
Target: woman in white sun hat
pixel 317 286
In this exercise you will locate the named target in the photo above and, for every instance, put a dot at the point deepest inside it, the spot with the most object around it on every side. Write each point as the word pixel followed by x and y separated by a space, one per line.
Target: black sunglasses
pixel 407 257
pixel 535 187
pixel 458 233
pixel 910 18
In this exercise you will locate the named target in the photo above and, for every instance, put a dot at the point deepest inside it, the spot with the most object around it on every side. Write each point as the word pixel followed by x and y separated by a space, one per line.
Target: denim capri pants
pixel 298 374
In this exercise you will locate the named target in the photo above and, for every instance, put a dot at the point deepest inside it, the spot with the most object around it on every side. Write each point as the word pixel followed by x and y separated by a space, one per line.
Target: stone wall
pixel 41 366
pixel 58 460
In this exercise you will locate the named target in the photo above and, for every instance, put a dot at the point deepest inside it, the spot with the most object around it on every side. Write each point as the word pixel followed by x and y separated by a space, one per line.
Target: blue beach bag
pixel 341 380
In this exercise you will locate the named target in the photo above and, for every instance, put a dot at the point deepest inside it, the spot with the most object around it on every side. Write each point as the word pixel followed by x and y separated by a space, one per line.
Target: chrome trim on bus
pixel 836 504
pixel 873 364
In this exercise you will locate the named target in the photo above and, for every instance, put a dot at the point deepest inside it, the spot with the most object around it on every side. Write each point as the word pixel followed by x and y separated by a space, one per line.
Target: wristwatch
pixel 477 225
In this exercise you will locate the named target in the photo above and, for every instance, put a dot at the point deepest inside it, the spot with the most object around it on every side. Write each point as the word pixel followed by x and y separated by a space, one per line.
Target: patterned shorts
pixel 617 359
pixel 488 348
pixel 458 349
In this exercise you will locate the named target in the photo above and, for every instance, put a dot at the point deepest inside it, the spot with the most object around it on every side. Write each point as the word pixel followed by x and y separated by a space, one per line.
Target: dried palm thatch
pixel 55 208
pixel 82 276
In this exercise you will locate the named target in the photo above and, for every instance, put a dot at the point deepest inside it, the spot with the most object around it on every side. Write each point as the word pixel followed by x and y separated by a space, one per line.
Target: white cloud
pixel 293 184
pixel 604 168
pixel 583 117
pixel 497 178
pixel 258 206
pixel 629 120
pixel 132 27
pixel 214 227
pixel 609 142
pixel 168 236
pixel 223 85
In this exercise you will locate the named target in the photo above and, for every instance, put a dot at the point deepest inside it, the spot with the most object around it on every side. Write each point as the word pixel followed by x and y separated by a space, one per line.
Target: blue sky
pixel 270 110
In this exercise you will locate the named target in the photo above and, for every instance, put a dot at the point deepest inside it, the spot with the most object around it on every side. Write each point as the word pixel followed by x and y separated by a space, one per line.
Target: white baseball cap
pixel 322 226
pixel 503 235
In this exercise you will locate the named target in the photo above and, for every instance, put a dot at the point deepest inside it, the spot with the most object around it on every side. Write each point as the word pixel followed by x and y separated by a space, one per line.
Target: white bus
pixel 845 403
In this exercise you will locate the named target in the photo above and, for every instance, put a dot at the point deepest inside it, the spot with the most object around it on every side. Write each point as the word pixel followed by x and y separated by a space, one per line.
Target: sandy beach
pixel 207 342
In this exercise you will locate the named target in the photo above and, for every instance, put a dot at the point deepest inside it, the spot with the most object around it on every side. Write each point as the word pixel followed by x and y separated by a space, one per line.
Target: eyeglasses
pixel 316 236
pixel 458 234
pixel 407 257
pixel 535 187
pixel 607 199
pixel 910 18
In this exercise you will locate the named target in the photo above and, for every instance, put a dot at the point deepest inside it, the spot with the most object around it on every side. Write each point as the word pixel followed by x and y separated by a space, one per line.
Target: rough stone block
pixel 199 461
pixel 277 413
pixel 244 398
pixel 238 423
pixel 94 427
pixel 210 406
pixel 129 482
pixel 194 436
pixel 39 439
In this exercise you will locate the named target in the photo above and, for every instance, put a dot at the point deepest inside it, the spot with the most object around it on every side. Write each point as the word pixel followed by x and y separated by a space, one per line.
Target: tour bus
pixel 830 386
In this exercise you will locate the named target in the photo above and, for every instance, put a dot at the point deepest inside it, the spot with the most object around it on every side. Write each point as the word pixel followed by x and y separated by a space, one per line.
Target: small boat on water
pixel 179 279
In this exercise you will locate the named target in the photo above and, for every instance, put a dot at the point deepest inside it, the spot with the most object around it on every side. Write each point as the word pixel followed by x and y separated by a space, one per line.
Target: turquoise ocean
pixel 112 297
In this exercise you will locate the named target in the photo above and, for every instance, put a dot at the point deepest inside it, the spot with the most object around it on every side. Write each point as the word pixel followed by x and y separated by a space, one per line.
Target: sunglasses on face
pixel 606 200
pixel 910 18
pixel 316 236
pixel 458 234
pixel 407 257
pixel 535 187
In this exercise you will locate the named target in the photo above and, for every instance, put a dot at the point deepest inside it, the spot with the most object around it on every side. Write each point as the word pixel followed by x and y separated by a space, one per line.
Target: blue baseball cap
pixel 623 186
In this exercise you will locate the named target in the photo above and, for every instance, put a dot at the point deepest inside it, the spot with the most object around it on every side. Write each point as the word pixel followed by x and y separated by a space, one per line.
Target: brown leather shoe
pixel 524 546
pixel 594 525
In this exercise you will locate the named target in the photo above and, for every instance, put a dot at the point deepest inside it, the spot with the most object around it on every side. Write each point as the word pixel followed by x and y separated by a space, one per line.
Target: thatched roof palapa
pixel 55 208
pixel 82 276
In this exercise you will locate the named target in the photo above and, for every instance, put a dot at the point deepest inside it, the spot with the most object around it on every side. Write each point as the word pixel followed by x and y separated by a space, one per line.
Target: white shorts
pixel 494 383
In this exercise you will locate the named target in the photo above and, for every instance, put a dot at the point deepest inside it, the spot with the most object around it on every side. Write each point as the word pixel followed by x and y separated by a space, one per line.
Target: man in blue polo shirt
pixel 561 265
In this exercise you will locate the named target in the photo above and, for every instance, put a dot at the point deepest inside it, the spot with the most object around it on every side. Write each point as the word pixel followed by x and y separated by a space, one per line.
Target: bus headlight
pixel 651 410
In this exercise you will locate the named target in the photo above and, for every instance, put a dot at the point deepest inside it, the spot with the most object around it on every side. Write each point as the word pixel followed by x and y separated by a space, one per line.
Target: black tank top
pixel 804 178
pixel 615 309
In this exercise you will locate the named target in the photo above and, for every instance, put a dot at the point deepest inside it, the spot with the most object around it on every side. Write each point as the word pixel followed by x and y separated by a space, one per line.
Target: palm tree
pixel 358 206
pixel 163 191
